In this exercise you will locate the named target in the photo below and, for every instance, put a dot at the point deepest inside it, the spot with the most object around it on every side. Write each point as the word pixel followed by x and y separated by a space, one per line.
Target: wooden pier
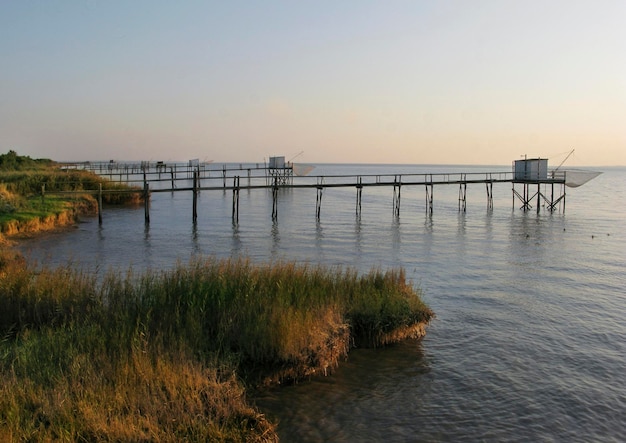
pixel 148 178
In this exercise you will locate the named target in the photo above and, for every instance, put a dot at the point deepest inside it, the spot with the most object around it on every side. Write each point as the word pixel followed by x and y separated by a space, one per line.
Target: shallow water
pixel 529 339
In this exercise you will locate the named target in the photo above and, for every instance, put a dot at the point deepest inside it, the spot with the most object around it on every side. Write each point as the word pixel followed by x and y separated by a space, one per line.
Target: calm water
pixel 529 343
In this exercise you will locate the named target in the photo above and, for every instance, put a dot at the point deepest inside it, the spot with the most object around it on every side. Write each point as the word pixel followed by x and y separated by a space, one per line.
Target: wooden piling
pixel 146 201
pixel 99 203
pixel 275 199
pixel 194 215
pixel 236 199
pixel 429 197
pixel 359 192
pixel 397 184
pixel 463 194
pixel 318 202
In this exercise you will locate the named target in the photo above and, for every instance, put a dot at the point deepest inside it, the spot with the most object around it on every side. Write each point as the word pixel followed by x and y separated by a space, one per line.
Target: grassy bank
pixel 166 355
pixel 29 194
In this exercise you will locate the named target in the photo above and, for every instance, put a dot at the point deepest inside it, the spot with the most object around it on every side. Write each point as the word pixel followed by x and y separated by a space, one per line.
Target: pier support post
pixel 538 197
pixel 489 186
pixel 463 195
pixel 194 214
pixel 525 197
pixel 236 199
pixel 359 192
pixel 318 202
pixel 99 203
pixel 397 185
pixel 553 203
pixel 275 199
pixel 146 201
pixel 429 198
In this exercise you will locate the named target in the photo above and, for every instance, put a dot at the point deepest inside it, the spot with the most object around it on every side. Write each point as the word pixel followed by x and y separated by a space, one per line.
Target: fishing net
pixel 575 178
pixel 301 170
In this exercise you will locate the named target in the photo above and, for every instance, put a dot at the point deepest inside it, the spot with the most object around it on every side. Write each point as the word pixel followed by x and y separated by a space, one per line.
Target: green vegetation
pixel 165 356
pixel 38 195
pixel 13 162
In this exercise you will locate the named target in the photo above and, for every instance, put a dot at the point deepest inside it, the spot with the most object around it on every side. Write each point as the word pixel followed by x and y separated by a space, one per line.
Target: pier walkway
pixel 151 177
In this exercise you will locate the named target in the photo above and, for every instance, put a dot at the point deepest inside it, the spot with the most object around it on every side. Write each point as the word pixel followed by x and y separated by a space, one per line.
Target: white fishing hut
pixel 279 171
pixel 532 169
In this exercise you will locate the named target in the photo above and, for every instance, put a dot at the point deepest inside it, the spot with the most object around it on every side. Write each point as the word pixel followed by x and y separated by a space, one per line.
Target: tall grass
pixel 154 356
pixel 29 199
pixel 30 182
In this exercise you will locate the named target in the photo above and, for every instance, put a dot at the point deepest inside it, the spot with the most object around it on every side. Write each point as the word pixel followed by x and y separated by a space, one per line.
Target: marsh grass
pixel 165 355
pixel 29 199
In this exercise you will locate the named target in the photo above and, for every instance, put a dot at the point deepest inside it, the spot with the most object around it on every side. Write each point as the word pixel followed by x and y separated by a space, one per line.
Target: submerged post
pixel 429 196
pixel 99 203
pixel 236 199
pixel 318 202
pixel 397 184
pixel 463 193
pixel 538 197
pixel 274 199
pixel 359 191
pixel 146 201
pixel 194 214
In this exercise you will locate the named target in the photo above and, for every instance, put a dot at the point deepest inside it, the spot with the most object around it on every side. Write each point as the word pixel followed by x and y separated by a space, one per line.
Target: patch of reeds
pixel 154 356
pixel 44 199
pixel 33 182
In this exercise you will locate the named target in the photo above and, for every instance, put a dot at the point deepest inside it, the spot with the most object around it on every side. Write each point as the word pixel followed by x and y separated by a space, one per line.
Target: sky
pixel 404 82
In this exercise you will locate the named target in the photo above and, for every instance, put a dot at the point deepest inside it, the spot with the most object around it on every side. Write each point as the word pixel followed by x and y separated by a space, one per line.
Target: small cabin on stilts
pixel 534 171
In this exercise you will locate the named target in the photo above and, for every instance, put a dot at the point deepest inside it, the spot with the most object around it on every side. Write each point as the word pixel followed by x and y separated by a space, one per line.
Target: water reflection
pixel 396 238
pixel 358 235
pixel 275 238
pixel 369 385
pixel 236 246
pixel 195 244
pixel 146 235
pixel 319 234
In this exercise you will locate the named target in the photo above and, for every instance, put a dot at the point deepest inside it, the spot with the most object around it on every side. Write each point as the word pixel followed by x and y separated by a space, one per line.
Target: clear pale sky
pixel 476 82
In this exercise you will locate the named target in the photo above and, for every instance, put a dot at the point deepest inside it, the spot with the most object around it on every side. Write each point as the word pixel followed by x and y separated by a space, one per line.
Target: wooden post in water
pixel 146 198
pixel 275 199
pixel 318 202
pixel 489 186
pixel 236 199
pixel 538 197
pixel 194 214
pixel 359 192
pixel 397 184
pixel 99 203
pixel 463 193
pixel 429 196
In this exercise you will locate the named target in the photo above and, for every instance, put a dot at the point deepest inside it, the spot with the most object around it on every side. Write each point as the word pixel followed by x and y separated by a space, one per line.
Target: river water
pixel 529 342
